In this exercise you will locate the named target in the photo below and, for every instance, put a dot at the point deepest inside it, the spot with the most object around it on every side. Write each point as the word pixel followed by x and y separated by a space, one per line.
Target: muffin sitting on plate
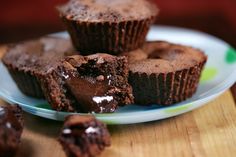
pixel 107 26
pixel 164 73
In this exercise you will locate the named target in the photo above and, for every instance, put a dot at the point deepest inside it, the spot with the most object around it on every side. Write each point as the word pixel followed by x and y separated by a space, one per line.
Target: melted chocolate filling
pixel 92 93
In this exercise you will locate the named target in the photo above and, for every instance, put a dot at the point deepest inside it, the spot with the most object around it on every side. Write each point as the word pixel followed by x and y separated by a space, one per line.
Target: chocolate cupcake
pixel 84 136
pixel 96 83
pixel 164 73
pixel 27 59
pixel 107 26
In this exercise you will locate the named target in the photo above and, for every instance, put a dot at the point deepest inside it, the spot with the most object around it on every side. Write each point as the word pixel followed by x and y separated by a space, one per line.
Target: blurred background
pixel 25 19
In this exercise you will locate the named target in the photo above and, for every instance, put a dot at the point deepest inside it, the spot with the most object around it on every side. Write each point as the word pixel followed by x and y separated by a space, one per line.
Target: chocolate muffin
pixel 107 26
pixel 27 59
pixel 164 73
pixel 11 127
pixel 95 83
pixel 84 136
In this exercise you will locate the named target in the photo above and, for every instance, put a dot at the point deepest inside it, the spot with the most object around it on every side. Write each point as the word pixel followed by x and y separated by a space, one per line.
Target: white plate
pixel 219 74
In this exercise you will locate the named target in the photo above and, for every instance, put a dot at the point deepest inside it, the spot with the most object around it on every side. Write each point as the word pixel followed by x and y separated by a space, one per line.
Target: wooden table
pixel 207 131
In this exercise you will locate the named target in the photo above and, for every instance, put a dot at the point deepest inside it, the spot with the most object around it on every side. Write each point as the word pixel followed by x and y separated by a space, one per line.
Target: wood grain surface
pixel 207 131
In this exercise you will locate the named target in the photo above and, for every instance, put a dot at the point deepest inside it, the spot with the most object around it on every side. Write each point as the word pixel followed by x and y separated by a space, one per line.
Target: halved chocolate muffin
pixel 27 59
pixel 84 136
pixel 107 26
pixel 164 73
pixel 96 83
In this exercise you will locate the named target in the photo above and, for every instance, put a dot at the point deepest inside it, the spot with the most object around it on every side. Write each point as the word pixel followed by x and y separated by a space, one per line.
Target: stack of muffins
pixel 108 64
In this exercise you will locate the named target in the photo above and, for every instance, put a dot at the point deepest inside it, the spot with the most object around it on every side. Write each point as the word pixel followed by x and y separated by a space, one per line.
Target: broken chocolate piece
pixel 10 130
pixel 84 136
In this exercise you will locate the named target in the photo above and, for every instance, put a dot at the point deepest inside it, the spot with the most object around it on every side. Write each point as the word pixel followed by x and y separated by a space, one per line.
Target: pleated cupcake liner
pixel 107 37
pixel 26 82
pixel 165 88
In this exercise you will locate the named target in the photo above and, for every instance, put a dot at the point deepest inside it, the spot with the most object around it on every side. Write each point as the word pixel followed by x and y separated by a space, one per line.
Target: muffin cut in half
pixel 107 26
pixel 164 73
pixel 27 59
pixel 96 83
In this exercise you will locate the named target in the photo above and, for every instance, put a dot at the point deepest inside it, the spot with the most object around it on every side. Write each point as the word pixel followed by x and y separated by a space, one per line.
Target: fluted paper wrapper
pixel 107 37
pixel 165 88
pixel 26 82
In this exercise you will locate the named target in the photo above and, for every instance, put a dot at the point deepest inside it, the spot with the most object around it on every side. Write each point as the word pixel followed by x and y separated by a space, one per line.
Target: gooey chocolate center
pixel 93 94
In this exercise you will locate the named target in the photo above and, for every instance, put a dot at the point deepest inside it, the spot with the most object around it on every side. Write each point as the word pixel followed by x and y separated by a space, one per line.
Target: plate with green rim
pixel 218 75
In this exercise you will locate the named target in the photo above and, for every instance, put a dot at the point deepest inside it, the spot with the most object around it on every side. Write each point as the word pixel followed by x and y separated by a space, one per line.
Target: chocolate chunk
pixel 11 127
pixel 84 136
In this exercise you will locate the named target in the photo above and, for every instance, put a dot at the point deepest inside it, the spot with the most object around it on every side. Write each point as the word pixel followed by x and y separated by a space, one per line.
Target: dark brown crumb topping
pixel 106 10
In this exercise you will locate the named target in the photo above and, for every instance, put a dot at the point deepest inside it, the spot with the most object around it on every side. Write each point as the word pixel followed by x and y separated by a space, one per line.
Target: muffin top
pixel 164 57
pixel 38 55
pixel 100 58
pixel 107 10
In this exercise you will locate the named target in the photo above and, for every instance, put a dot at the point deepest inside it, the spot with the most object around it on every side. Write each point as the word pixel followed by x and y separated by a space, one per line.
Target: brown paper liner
pixel 165 89
pixel 26 82
pixel 107 37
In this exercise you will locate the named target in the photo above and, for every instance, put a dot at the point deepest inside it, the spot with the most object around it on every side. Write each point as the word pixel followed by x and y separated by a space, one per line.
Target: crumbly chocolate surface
pixel 84 136
pixel 107 10
pixel 11 127
pixel 164 73
pixel 96 83
pixel 26 59
pixel 164 57
pixel 37 55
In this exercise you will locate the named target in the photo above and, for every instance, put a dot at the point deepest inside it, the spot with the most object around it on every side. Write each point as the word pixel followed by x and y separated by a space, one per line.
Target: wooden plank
pixel 218 126
pixel 207 131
